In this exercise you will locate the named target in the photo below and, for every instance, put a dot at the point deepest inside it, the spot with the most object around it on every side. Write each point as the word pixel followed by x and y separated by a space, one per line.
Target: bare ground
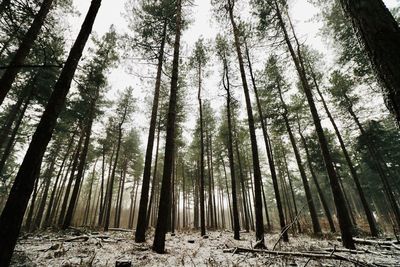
pixel 77 248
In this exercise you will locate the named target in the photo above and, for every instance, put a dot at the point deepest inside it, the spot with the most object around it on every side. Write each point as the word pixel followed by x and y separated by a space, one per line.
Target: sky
pixel 111 12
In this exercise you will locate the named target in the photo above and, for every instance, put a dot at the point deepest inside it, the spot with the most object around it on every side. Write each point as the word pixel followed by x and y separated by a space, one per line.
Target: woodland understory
pixel 79 247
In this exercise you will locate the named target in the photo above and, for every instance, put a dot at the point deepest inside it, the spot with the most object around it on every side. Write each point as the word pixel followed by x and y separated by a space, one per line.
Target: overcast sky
pixel 111 13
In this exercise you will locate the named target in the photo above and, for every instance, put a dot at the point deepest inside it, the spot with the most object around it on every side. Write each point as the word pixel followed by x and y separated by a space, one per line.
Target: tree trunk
pixel 244 198
pixel 48 175
pixel 19 57
pixel 382 174
pixel 121 197
pixel 89 198
pixel 380 35
pixel 254 148
pixel 202 208
pixel 269 151
pixel 10 118
pixel 367 210
pixel 71 180
pixel 11 139
pixel 342 212
pixel 291 190
pixel 12 215
pixel 164 206
pixel 46 222
pixel 155 180
pixel 319 190
pixel 29 218
pixel 111 183
pixel 310 201
pixel 211 218
pixel 235 212
pixel 269 225
pixel 81 168
pixel 142 221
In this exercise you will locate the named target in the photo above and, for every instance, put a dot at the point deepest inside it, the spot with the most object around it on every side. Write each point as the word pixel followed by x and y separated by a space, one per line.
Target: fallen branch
pixel 120 230
pixel 381 243
pixel 77 238
pixel 314 255
pixel 287 227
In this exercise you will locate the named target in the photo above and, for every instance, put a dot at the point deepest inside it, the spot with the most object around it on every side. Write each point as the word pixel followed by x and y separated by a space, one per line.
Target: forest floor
pixel 85 248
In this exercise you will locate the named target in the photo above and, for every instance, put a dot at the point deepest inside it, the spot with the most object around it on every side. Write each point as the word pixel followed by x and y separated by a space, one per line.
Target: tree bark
pixel 164 206
pixel 13 212
pixel 202 208
pixel 269 151
pixel 235 212
pixel 254 148
pixel 380 35
pixel 142 221
pixel 155 180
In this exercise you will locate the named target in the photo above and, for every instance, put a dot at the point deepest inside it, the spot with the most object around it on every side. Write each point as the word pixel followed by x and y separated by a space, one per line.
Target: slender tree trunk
pixel 71 180
pixel 254 148
pixel 155 180
pixel 211 217
pixel 46 222
pixel 342 212
pixel 319 190
pixel 229 201
pixel 110 167
pixel 11 139
pixel 81 168
pixel 57 203
pixel 310 201
pixel 19 57
pixel 235 212
pixel 164 206
pixel 269 150
pixel 367 210
pixel 243 189
pixel 89 198
pixel 111 182
pixel 142 221
pixel 101 206
pixel 213 183
pixel 291 190
pixel 117 199
pixel 42 205
pixel 121 196
pixel 202 208
pixel 10 118
pixel 382 174
pixel 269 225
pixel 29 218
